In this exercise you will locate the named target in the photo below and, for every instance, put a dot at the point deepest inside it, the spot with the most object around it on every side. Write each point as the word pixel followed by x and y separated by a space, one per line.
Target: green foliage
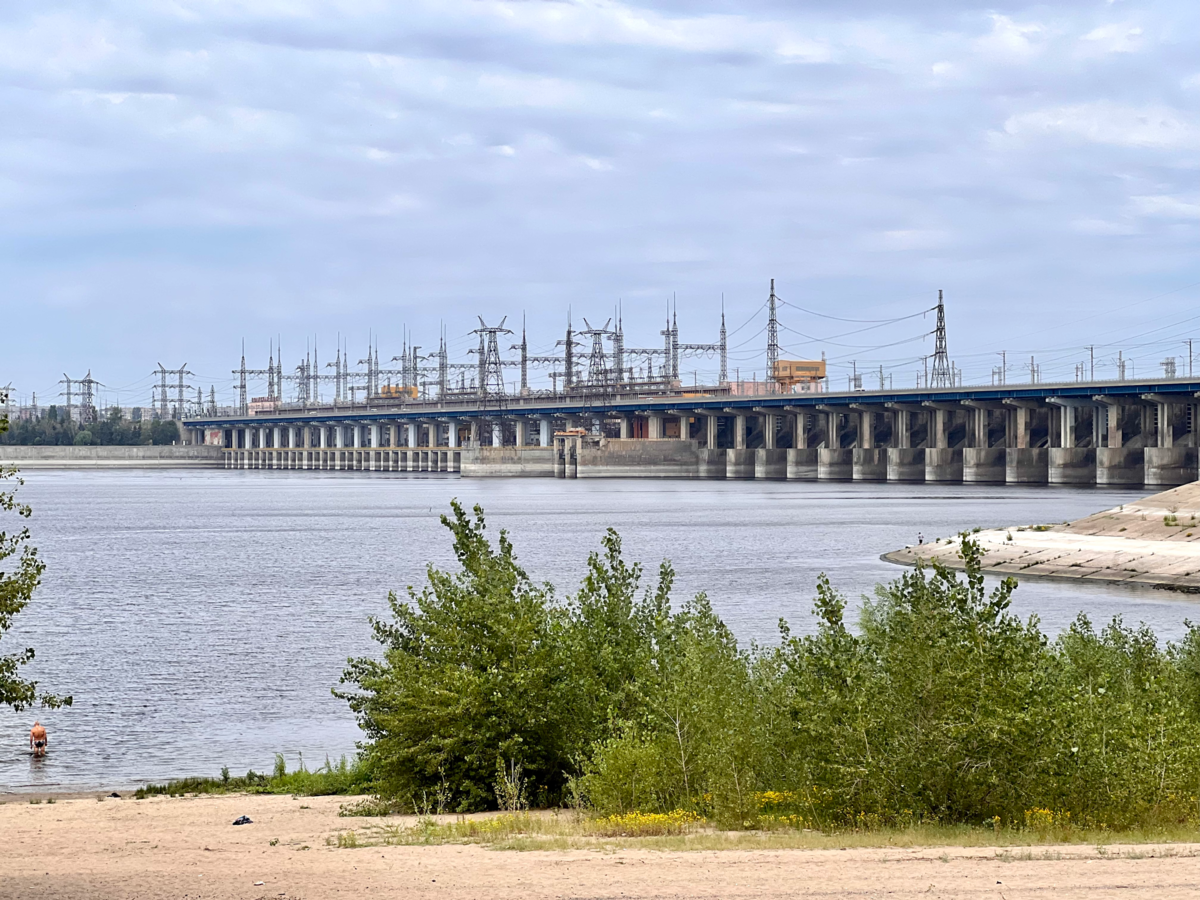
pixel 342 777
pixel 940 707
pixel 470 676
pixel 54 428
pixel 17 585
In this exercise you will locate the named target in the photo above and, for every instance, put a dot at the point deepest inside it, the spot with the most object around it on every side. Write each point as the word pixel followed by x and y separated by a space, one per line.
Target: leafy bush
pixel 941 707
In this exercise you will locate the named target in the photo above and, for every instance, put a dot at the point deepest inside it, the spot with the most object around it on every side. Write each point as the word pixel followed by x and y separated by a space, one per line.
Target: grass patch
pixel 343 777
pixel 569 830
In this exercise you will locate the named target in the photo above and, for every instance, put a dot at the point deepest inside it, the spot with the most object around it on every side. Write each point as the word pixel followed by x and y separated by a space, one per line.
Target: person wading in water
pixel 38 739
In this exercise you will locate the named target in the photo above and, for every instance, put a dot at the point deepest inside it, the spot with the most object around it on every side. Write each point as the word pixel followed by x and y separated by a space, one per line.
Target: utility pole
pixel 724 374
pixel 67 381
pixel 1189 343
pixel 243 408
pixel 1091 349
pixel 1003 366
pixel 772 338
pixel 524 359
pixel 942 376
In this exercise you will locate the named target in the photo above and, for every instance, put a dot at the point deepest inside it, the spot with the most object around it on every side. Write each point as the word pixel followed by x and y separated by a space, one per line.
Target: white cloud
pixel 1167 207
pixel 1011 39
pixel 1101 227
pixel 1115 38
pixel 1106 123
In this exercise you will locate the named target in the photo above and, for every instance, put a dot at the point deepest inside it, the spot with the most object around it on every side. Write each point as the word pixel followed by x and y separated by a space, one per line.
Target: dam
pixel 1113 433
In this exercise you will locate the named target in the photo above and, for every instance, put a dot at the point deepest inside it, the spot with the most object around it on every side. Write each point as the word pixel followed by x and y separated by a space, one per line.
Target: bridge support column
pixel 770 464
pixel 1169 466
pixel 1027 465
pixel 835 465
pixel 711 424
pixel 546 437
pixel 654 427
pixel 984 465
pixel 497 432
pixel 1120 465
pixel 802 464
pixel 1072 465
pixel 739 432
pixel 626 428
pixel 522 432
pixel 906 464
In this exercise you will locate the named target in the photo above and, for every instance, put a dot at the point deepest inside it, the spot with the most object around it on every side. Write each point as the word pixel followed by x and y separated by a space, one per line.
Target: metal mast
pixel 941 376
pixel 524 361
pixel 242 407
pixel 618 342
pixel 772 339
pixel 443 367
pixel 87 405
pixel 68 382
pixel 491 372
pixel 597 377
pixel 724 375
pixel 569 367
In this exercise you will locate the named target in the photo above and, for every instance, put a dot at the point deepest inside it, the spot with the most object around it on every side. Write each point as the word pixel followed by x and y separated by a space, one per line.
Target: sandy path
pixel 187 848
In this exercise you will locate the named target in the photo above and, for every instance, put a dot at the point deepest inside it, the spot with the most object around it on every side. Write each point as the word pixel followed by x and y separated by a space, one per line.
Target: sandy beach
pixel 188 848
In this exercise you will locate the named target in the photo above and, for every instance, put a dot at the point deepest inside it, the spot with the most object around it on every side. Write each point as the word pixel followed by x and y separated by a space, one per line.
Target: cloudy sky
pixel 179 175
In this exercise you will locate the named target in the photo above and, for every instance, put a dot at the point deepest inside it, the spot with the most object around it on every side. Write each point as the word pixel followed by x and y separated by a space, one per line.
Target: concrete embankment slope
pixel 140 457
pixel 1155 541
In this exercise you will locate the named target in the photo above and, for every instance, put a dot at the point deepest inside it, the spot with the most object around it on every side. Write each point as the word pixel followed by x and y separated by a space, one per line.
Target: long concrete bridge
pixel 1109 433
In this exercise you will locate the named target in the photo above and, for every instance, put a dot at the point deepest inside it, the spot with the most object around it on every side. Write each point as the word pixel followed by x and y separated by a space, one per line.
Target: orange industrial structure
pixel 791 372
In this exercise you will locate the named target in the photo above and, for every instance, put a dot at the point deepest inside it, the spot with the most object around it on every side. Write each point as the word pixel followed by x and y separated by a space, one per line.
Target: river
pixel 201 618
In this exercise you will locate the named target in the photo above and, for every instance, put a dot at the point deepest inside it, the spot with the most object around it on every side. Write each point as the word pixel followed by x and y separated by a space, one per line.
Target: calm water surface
pixel 201 618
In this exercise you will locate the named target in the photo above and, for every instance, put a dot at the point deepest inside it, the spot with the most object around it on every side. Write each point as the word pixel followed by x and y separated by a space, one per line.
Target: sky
pixel 180 176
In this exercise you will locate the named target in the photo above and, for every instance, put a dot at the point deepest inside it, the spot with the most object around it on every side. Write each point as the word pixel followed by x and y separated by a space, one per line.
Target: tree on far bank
pixel 20 574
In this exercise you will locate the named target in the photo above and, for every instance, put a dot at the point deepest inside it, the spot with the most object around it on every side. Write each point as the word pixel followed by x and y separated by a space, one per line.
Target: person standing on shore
pixel 38 739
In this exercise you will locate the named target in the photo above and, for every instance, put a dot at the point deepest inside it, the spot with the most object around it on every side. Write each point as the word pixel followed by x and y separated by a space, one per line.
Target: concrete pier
pixel 943 464
pixel 1072 465
pixel 1120 465
pixel 1170 466
pixel 1027 465
pixel 835 465
pixel 770 465
pixel 739 464
pixel 906 464
pixel 712 463
pixel 868 464
pixel 983 466
pixel 802 464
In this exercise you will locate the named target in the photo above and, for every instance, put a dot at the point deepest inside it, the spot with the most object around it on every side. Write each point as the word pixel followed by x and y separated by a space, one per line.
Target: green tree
pixel 20 574
pixel 471 679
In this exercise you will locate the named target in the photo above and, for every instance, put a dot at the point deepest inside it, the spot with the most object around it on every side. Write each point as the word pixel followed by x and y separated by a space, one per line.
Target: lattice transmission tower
pixel 772 337
pixel 942 375
pixel 491 368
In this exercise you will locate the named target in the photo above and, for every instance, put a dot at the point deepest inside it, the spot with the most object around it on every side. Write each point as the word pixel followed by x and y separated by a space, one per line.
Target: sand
pixel 188 848
pixel 1155 542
